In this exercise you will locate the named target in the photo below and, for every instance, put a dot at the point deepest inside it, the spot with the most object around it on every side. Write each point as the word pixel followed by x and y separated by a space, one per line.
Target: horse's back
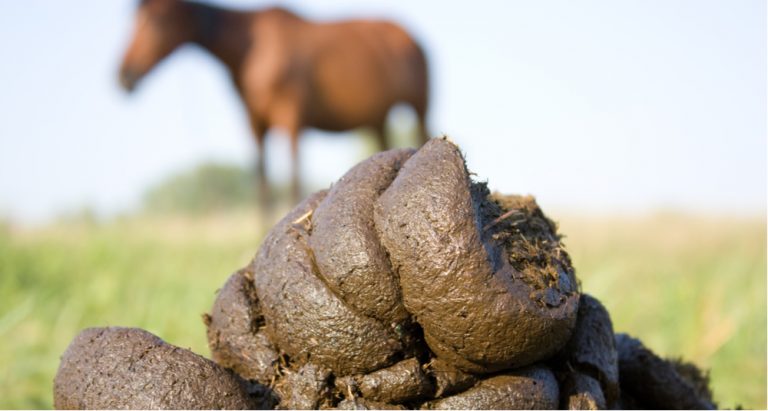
pixel 345 74
pixel 360 68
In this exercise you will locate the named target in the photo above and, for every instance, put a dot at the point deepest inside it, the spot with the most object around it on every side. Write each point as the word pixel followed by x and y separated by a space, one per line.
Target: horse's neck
pixel 224 33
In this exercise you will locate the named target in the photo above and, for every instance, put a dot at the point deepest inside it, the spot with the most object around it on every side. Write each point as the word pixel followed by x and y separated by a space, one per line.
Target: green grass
pixel 160 275
pixel 689 287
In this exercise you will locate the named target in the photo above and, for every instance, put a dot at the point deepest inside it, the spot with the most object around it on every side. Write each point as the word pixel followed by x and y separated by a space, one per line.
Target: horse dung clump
pixel 406 285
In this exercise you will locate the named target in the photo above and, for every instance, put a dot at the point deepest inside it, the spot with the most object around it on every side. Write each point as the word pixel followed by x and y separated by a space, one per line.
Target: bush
pixel 207 187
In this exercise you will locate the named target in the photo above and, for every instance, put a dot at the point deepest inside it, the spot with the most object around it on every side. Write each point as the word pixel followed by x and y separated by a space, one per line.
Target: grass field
pixel 687 286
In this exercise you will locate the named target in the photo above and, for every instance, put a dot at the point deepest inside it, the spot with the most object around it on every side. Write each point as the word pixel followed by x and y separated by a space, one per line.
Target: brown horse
pixel 290 73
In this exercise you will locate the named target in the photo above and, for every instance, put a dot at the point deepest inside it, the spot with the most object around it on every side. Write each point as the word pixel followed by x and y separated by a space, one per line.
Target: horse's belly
pixel 353 87
pixel 338 116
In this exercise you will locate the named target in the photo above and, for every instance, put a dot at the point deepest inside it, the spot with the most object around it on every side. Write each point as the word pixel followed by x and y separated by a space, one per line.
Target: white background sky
pixel 603 106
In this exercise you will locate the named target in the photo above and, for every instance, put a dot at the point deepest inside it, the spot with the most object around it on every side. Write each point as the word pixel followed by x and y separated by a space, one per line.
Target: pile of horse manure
pixel 405 285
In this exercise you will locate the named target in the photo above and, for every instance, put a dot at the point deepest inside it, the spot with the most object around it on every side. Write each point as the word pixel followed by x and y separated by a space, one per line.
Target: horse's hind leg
pixel 382 140
pixel 263 189
pixel 423 135
pixel 420 107
pixel 295 165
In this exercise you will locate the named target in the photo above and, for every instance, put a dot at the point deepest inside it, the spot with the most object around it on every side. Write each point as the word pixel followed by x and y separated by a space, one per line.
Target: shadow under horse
pixel 291 73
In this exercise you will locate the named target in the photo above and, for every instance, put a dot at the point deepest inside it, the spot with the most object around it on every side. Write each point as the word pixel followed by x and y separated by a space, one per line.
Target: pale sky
pixel 600 106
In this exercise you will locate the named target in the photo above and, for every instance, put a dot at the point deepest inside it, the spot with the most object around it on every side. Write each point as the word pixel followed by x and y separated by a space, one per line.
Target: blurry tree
pixel 207 187
pixel 83 215
pixel 215 186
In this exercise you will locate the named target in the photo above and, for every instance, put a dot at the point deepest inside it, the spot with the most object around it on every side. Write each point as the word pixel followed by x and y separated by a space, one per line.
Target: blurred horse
pixel 290 73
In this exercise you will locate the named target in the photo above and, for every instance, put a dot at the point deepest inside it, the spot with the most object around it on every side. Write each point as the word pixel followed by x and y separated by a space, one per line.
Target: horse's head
pixel 160 27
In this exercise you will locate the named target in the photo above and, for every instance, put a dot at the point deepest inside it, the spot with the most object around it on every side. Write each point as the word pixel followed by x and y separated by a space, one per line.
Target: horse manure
pixel 110 368
pixel 449 379
pixel 235 333
pixel 529 388
pixel 652 382
pixel 581 392
pixel 363 404
pixel 401 383
pixel 405 285
pixel 591 349
pixel 304 389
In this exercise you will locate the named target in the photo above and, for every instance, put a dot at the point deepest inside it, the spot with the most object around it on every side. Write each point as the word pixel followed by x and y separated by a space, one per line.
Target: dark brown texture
pixel 696 377
pixel 303 317
pixel 363 404
pixel 449 379
pixel 402 382
pixel 304 389
pixel 475 308
pixel 581 392
pixel 528 388
pixel 118 368
pixel 592 348
pixel 349 256
pixel 654 382
pixel 234 330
